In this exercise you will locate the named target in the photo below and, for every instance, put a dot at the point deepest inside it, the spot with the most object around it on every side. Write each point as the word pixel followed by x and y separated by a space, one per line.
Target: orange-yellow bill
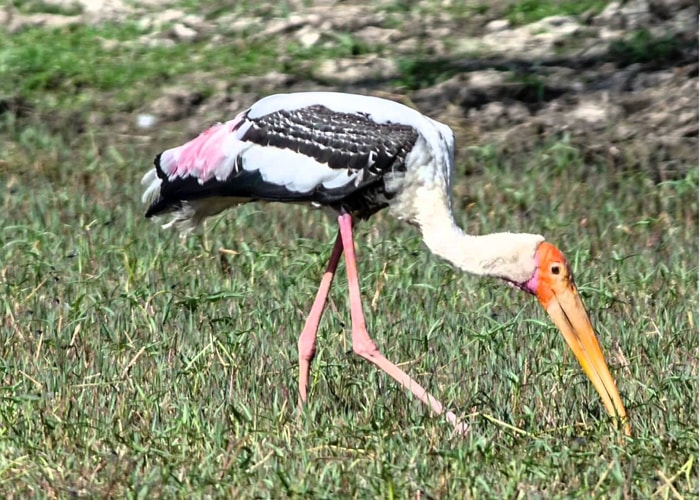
pixel 557 293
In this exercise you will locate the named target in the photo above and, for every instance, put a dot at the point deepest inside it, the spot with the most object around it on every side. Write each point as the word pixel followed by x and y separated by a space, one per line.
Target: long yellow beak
pixel 553 284
pixel 568 313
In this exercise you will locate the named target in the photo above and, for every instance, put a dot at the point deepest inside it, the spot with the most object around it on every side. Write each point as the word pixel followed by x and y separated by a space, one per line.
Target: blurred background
pixel 616 79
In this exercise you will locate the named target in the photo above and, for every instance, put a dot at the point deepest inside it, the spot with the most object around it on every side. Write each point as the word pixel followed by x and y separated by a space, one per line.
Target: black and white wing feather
pixel 344 151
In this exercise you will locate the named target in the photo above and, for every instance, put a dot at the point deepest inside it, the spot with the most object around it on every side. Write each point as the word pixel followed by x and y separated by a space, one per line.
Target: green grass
pixel 643 47
pixel 138 362
pixel 529 11
pixel 40 7
pixel 76 67
pixel 135 363
pixel 417 73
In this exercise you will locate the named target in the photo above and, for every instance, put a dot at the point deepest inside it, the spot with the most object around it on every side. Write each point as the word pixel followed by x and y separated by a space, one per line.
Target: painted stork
pixel 355 155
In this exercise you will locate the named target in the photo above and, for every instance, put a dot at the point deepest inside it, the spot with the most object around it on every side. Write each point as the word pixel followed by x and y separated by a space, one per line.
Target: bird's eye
pixel 555 269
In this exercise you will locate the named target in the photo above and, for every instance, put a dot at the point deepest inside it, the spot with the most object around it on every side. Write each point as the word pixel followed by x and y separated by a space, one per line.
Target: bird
pixel 354 155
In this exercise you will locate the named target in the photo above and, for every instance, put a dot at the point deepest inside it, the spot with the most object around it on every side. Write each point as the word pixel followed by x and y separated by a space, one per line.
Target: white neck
pixel 504 255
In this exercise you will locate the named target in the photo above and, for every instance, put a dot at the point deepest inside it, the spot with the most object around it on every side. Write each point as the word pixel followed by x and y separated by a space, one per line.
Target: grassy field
pixel 135 363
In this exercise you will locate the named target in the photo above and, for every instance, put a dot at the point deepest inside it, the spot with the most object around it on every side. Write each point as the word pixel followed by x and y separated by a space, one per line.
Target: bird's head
pixel 553 285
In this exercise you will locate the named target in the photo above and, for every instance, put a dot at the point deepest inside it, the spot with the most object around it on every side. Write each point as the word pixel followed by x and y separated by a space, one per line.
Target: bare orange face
pixel 553 284
pixel 553 271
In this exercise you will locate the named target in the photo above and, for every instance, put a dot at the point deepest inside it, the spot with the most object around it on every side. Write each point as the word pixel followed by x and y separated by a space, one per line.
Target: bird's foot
pixel 460 427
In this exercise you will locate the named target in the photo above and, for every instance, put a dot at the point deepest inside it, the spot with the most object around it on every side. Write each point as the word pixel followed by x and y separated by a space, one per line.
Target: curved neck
pixel 505 255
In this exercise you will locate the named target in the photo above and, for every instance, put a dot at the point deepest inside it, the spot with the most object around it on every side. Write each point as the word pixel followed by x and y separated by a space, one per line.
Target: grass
pixel 139 362
pixel 641 46
pixel 529 11
pixel 417 73
pixel 135 363
pixel 41 7
pixel 75 67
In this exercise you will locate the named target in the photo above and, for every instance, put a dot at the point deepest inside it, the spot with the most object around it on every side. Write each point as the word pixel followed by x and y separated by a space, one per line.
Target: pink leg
pixel 307 339
pixel 363 345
